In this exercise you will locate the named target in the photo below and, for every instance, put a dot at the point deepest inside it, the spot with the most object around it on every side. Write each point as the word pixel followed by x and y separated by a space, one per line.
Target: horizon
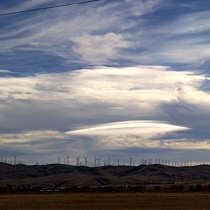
pixel 104 161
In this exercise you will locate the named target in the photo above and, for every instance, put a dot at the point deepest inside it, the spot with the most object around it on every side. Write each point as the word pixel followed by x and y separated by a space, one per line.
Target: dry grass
pixel 106 201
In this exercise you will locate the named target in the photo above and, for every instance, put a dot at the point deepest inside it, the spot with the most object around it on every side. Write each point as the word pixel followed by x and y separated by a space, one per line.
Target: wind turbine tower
pixel 118 161
pixel 77 159
pixel 99 161
pixel 86 161
pixel 68 159
pixel 130 158
pixel 15 160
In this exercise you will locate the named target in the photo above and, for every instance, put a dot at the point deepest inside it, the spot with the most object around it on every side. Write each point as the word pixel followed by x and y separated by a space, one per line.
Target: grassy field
pixel 106 201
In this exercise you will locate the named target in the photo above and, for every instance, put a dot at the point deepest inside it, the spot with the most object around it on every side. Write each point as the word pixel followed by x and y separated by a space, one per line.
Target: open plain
pixel 105 201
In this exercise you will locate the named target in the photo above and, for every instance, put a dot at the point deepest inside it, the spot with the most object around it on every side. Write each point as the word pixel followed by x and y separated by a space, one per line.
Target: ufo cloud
pixel 129 128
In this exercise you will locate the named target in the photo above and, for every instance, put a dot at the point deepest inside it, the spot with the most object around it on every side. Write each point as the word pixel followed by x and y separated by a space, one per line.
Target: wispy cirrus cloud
pixel 55 36
pixel 193 23
pixel 127 36
pixel 139 8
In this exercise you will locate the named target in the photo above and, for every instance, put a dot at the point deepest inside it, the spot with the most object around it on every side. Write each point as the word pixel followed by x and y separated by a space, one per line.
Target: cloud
pixel 190 23
pixel 108 46
pixel 4 71
pixel 104 108
pixel 128 128
pixel 51 32
pixel 92 35
pixel 29 136
pixel 148 142
pixel 85 97
pixel 119 87
pixel 184 40
pixel 139 8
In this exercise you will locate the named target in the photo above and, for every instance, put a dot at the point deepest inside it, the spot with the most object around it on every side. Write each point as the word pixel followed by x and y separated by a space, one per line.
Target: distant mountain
pixel 36 177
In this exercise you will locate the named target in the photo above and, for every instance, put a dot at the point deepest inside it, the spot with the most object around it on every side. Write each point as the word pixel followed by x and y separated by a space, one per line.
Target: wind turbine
pixel 77 159
pixel 15 159
pixel 68 159
pixel 130 158
pixel 99 162
pixel 86 161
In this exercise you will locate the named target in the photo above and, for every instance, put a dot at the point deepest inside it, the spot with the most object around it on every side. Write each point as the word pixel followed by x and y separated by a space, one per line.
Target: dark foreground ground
pixel 106 201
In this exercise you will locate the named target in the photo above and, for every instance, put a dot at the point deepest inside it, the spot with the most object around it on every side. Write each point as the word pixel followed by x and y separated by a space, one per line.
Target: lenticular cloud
pixel 129 128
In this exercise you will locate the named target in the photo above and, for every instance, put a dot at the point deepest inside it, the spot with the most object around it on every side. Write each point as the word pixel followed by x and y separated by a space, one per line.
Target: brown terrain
pixel 59 177
pixel 105 201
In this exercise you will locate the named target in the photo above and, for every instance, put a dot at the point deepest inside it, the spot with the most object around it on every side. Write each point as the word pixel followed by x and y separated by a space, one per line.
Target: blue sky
pixel 108 78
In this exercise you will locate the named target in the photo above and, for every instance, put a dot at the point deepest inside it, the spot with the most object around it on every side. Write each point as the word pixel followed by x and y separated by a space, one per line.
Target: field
pixel 106 201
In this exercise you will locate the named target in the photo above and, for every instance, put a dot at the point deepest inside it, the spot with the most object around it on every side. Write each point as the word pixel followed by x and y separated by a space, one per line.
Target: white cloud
pixel 149 141
pixel 186 144
pixel 99 48
pixel 89 33
pixel 93 35
pixel 190 23
pixel 120 86
pixel 128 128
pixel 4 71
pixel 139 8
pixel 70 100
pixel 16 88
pixel 183 40
pixel 30 136
pixel 194 96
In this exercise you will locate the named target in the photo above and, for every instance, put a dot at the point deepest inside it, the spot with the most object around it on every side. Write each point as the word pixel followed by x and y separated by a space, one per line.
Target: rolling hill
pixel 36 177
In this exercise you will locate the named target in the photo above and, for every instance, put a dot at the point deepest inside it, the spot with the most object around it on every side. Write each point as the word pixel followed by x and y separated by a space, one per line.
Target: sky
pixel 106 79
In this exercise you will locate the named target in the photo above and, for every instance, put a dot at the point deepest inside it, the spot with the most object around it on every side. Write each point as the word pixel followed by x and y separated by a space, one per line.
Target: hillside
pixel 36 177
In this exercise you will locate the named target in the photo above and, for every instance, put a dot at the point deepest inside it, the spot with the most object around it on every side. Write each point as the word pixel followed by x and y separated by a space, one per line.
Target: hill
pixel 57 176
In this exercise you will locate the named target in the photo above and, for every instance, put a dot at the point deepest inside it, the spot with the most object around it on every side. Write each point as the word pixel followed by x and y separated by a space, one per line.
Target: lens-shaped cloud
pixel 129 128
